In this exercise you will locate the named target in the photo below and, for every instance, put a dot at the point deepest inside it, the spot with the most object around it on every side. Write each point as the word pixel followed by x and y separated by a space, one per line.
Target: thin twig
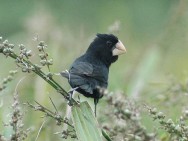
pixel 53 104
pixel 49 113
pixel 51 81
pixel 40 130
pixel 44 108
pixel 19 83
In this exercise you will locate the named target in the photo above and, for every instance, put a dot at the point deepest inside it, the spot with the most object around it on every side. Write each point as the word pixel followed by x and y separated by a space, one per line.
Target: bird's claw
pixel 70 103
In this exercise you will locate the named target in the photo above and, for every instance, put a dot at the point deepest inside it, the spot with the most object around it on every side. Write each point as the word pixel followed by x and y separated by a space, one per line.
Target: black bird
pixel 89 72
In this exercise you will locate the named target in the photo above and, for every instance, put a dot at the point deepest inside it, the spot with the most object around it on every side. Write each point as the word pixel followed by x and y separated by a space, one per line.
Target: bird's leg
pixel 71 92
pixel 96 100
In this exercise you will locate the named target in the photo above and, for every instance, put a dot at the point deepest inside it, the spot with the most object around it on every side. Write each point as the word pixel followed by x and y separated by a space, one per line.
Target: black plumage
pixel 89 72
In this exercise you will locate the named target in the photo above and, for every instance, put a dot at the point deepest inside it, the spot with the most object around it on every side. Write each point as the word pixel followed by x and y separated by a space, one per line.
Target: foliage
pixel 152 75
pixel 125 114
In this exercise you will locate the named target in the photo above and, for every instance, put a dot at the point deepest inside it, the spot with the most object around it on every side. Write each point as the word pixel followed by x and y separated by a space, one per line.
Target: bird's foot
pixel 70 98
pixel 70 103
pixel 71 92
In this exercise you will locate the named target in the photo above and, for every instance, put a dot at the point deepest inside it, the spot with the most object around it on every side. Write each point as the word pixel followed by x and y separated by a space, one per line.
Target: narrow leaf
pixel 86 126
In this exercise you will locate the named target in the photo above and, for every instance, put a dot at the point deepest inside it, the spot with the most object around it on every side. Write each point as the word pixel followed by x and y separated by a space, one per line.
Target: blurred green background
pixel 155 33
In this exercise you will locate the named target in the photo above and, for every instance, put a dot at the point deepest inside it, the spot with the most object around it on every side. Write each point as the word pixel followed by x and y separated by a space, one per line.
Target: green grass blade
pixel 86 125
pixel 144 72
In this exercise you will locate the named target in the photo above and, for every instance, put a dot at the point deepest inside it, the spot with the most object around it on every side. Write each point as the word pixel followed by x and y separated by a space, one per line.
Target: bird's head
pixel 106 47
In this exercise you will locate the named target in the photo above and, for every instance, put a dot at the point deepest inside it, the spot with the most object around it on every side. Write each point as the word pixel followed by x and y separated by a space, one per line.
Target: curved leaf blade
pixel 86 125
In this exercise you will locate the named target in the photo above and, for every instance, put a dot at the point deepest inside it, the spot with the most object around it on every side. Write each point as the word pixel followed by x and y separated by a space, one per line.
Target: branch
pixel 49 113
pixel 23 62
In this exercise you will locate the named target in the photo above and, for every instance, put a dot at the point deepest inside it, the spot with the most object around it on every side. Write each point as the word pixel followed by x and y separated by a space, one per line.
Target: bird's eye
pixel 109 43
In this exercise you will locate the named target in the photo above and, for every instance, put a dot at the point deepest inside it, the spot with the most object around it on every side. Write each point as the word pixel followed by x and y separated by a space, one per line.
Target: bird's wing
pixel 79 73
pixel 89 70
pixel 79 69
pixel 82 68
pixel 87 76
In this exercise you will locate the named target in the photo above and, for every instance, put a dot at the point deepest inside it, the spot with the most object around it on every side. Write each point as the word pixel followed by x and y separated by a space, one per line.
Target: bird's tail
pixel 96 100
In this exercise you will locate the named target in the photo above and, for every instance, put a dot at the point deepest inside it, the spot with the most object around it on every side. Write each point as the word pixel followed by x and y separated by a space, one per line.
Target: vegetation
pixel 148 86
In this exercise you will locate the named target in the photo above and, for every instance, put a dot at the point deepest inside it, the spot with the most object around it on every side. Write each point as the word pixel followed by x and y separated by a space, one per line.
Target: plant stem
pixel 106 136
pixel 49 80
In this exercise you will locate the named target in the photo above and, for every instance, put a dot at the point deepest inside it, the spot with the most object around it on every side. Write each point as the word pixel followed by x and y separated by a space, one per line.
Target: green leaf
pixel 144 72
pixel 86 126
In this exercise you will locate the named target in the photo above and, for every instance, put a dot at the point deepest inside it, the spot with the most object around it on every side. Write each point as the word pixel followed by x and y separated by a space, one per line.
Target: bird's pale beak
pixel 119 49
